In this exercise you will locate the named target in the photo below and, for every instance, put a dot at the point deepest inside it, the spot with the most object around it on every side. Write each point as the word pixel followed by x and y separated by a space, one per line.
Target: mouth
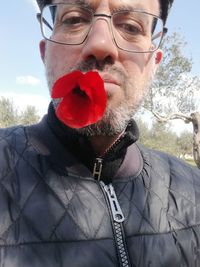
pixel 110 79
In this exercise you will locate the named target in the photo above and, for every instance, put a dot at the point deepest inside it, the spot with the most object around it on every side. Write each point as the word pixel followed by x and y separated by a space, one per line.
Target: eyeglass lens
pixel 132 30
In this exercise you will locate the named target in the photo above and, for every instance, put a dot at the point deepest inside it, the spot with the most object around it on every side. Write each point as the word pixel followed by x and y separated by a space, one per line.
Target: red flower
pixel 83 98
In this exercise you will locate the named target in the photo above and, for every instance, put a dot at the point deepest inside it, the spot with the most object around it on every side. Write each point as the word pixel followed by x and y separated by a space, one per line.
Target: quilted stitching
pixel 71 209
pixel 62 195
pixel 152 197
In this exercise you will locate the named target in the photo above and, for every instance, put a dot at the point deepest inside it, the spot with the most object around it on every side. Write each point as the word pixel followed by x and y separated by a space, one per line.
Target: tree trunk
pixel 195 119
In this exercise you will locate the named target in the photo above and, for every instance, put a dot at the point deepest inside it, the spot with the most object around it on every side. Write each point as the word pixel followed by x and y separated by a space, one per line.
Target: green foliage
pixel 29 116
pixel 9 114
pixel 185 143
pixel 173 87
pixel 174 94
pixel 161 137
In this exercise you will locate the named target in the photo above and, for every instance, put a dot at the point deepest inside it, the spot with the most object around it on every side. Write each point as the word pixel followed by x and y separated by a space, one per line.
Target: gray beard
pixel 112 123
pixel 115 120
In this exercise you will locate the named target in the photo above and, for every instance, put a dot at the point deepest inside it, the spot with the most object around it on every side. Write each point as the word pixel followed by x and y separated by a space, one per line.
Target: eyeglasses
pixel 132 30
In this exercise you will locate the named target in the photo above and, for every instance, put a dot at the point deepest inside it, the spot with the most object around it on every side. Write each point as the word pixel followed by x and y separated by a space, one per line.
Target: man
pixel 89 195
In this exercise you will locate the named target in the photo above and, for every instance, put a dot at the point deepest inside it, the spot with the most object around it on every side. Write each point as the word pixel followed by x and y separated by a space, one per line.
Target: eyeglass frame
pixel 163 32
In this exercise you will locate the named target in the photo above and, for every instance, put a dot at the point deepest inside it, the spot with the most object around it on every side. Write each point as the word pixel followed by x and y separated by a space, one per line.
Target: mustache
pixel 101 66
pixel 93 64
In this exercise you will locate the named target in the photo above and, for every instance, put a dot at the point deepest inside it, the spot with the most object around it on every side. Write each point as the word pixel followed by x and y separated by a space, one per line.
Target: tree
pixel 10 115
pixel 29 116
pixel 145 133
pixel 184 142
pixel 173 94
pixel 172 84
pixel 159 136
pixel 164 138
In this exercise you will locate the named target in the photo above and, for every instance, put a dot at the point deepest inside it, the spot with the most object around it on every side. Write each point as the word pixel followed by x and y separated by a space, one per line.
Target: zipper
pixel 98 164
pixel 117 214
pixel 118 218
pixel 114 204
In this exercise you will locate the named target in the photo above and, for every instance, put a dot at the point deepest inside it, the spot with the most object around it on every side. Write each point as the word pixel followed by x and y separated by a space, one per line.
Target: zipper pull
pixel 118 216
pixel 97 168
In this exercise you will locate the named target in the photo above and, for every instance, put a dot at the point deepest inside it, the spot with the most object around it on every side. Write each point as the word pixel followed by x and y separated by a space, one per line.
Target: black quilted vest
pixel 54 214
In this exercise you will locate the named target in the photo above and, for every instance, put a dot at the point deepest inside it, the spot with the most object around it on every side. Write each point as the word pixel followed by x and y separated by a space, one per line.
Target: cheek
pixel 139 73
pixel 139 68
pixel 137 64
pixel 60 59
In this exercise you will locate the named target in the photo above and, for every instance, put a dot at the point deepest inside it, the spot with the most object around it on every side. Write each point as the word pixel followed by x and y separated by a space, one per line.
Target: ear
pixel 42 46
pixel 158 56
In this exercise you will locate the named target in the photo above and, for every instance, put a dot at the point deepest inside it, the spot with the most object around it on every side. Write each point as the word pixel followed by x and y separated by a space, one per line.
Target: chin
pixel 113 122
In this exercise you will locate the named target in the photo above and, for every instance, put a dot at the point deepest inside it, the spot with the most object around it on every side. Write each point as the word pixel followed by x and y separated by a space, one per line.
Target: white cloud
pixel 21 101
pixel 27 80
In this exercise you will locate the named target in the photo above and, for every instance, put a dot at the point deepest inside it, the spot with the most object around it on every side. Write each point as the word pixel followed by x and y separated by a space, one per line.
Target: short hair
pixel 165 6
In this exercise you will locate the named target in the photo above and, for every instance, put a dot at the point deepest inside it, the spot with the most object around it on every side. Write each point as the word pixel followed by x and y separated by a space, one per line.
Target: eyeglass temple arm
pixel 159 34
pixel 39 17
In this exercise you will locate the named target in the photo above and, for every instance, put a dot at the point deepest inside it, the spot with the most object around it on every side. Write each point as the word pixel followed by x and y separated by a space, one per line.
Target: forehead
pixel 151 6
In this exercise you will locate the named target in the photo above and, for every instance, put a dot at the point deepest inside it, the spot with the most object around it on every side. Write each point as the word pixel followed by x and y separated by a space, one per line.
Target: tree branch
pixel 173 116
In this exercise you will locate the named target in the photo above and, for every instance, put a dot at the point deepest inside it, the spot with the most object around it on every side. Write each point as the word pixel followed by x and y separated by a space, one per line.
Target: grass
pixel 191 162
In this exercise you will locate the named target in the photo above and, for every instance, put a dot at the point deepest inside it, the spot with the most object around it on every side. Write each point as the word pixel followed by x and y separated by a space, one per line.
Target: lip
pixel 110 79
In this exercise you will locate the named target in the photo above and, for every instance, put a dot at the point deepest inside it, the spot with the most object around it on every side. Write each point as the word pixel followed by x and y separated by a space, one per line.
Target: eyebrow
pixel 90 5
pixel 78 2
pixel 82 3
pixel 137 7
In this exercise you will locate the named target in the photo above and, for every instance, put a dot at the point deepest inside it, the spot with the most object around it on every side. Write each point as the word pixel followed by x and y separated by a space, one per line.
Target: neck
pixel 101 144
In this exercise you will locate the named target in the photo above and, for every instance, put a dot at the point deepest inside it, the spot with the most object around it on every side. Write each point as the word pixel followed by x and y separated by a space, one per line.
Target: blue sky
pixel 22 72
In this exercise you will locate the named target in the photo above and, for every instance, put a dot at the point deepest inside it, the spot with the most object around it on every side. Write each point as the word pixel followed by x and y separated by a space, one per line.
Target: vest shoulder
pixel 169 164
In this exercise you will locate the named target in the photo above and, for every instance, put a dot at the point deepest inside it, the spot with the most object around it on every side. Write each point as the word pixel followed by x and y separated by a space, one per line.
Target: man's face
pixel 126 75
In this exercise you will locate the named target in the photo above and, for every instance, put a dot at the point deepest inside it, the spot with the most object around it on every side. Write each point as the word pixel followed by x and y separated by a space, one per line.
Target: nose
pixel 100 43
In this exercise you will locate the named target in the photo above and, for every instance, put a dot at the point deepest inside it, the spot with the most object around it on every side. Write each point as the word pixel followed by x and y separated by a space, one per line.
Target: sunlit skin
pixel 127 74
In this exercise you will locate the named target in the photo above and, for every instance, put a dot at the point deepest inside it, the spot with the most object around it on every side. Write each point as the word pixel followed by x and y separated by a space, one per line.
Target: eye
pixel 76 18
pixel 129 28
pixel 73 20
pixel 128 24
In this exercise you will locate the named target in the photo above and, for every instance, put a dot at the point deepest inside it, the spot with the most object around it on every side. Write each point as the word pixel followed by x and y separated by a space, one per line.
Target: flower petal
pixel 74 110
pixel 84 98
pixel 65 84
